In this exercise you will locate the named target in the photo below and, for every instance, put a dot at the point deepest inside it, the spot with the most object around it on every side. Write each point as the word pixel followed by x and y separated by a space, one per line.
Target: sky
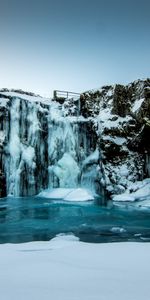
pixel 73 45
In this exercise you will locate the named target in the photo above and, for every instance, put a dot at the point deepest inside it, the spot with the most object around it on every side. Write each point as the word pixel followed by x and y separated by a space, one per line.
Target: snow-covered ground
pixel 66 269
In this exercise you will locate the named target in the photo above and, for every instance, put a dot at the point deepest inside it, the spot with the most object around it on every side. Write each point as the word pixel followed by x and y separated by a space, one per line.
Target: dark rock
pixel 121 101
pixel 2 185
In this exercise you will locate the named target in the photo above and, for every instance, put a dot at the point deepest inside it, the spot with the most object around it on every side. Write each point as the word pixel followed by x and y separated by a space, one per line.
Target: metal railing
pixel 57 94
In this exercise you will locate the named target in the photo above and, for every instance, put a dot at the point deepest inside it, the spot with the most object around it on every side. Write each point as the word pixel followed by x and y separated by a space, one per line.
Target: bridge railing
pixel 57 94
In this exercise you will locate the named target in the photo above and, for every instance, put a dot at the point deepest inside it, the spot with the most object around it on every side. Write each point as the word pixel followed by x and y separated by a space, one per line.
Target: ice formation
pixel 44 146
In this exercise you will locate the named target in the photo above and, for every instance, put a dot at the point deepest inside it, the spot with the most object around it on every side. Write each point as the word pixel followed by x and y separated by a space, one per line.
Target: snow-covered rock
pixel 138 191
pixel 124 197
pixel 122 122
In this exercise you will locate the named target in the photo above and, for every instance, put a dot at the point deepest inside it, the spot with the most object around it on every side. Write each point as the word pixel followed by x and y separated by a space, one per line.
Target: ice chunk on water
pixel 58 193
pixel 79 195
pixel 118 229
pixel 67 194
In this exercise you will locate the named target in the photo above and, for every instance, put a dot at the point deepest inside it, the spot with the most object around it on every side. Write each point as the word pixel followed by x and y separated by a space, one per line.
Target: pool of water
pixel 34 219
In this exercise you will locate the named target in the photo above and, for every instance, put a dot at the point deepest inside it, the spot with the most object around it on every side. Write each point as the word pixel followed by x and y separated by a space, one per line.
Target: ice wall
pixel 25 158
pixel 45 147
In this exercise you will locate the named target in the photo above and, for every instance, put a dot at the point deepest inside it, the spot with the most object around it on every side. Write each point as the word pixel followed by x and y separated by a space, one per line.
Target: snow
pixel 3 102
pixel 75 119
pixel 117 140
pixel 92 158
pixel 67 269
pixel 124 170
pixel 123 197
pixel 137 104
pixel 105 119
pixel 67 194
pixel 27 97
pixel 109 92
pixel 141 191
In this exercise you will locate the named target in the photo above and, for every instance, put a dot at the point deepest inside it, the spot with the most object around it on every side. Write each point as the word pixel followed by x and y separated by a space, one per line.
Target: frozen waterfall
pixel 47 147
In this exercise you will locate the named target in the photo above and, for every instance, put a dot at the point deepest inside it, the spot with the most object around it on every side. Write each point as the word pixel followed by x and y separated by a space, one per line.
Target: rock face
pixel 105 146
pixel 122 122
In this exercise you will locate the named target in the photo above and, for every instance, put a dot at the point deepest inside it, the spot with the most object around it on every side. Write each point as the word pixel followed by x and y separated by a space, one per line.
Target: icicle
pixel 12 164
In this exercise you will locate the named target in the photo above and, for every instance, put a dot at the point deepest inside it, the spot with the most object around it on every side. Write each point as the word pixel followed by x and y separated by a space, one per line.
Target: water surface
pixel 36 219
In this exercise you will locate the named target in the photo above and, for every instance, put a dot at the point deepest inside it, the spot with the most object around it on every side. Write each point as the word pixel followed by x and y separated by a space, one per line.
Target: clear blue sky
pixel 73 45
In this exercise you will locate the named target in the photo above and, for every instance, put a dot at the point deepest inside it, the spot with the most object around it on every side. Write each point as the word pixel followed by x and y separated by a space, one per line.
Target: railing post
pixel 55 94
pixel 79 107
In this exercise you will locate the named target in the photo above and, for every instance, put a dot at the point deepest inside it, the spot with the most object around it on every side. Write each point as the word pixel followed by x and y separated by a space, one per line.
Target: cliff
pixel 105 146
pixel 122 121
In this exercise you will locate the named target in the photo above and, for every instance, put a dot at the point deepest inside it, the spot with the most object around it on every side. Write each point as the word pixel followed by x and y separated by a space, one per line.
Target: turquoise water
pixel 34 219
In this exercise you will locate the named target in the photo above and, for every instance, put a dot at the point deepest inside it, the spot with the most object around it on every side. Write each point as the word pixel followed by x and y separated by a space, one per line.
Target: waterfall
pixel 46 147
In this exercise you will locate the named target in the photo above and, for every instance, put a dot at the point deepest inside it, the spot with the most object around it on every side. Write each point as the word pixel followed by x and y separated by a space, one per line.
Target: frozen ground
pixel 66 269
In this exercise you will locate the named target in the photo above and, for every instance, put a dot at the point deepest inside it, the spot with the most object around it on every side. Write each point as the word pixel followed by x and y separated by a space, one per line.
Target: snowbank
pixel 141 191
pixel 67 194
pixel 66 269
pixel 123 197
pixel 32 98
